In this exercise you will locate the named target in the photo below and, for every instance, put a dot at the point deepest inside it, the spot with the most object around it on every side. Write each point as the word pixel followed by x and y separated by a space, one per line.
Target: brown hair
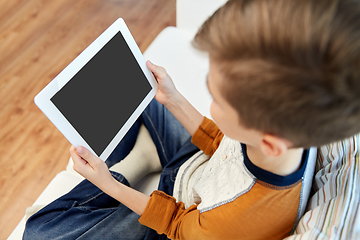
pixel 290 67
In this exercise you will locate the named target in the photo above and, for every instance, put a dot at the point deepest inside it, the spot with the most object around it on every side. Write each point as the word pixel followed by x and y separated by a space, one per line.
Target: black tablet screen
pixel 101 97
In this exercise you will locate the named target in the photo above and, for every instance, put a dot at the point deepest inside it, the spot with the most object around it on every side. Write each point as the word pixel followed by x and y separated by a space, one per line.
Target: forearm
pixel 130 197
pixel 185 113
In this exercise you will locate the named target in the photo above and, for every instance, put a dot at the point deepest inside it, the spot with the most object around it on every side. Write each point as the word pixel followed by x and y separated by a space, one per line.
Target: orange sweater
pixel 266 210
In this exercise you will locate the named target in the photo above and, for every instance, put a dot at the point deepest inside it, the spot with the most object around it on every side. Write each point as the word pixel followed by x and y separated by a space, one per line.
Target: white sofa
pixel 188 68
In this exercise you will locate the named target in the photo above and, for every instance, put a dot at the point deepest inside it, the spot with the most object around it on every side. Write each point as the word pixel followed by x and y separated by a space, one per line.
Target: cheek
pixel 219 117
pixel 222 121
pixel 213 111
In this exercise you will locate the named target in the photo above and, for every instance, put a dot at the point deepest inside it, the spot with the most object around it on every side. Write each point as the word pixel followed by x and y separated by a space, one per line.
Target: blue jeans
pixel 88 213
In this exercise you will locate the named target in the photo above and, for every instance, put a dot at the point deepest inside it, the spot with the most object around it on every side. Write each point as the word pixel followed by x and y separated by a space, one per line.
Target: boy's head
pixel 289 68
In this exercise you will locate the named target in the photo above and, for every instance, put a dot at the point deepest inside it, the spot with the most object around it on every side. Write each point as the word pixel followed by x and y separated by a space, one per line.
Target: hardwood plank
pixel 38 38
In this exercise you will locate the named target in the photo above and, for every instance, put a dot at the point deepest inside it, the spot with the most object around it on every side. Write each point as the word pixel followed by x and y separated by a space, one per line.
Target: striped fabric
pixel 333 211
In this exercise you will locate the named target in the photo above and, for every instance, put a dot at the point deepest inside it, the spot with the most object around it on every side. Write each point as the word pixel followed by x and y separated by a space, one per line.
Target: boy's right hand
pixel 166 91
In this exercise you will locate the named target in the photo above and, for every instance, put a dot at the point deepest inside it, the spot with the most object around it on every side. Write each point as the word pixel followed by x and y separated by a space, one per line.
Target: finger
pixel 159 72
pixel 86 155
pixel 75 157
pixel 79 163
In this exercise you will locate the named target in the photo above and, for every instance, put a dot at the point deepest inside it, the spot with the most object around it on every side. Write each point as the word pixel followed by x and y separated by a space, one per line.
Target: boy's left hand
pixel 90 167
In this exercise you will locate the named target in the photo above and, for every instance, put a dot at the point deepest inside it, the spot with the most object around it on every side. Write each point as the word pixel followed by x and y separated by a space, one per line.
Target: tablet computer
pixel 97 98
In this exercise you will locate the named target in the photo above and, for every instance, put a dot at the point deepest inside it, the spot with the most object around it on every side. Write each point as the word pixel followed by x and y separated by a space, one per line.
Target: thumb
pixel 85 154
pixel 158 71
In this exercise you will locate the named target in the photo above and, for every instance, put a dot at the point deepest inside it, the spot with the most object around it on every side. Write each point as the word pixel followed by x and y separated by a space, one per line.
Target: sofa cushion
pixel 333 210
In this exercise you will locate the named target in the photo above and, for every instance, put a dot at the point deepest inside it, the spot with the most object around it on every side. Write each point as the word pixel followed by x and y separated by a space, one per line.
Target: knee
pixel 38 227
pixel 31 231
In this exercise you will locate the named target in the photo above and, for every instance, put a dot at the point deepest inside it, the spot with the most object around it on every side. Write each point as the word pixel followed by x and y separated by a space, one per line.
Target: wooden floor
pixel 38 38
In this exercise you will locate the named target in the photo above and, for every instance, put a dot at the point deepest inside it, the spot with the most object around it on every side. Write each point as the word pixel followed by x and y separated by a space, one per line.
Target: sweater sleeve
pixel 169 217
pixel 207 137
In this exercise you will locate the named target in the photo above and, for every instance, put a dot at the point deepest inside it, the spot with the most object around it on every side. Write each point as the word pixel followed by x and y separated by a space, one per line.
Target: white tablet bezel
pixel 43 99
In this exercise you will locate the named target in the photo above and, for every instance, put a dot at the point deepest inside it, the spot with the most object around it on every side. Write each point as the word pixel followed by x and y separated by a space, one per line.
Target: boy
pixel 284 76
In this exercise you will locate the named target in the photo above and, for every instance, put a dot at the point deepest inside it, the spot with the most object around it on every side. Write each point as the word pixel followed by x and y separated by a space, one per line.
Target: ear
pixel 273 146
